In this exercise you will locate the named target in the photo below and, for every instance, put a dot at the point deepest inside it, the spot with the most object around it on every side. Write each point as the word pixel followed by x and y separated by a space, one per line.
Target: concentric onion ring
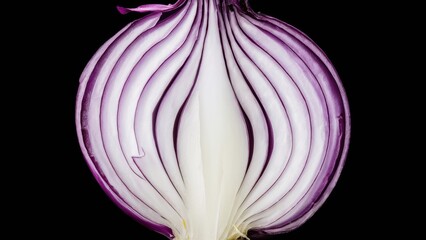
pixel 213 121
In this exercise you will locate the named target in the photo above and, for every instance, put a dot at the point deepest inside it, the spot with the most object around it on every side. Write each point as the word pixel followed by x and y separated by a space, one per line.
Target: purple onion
pixel 212 121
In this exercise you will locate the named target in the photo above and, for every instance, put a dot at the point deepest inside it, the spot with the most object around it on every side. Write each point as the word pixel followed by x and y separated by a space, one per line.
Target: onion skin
pixel 214 122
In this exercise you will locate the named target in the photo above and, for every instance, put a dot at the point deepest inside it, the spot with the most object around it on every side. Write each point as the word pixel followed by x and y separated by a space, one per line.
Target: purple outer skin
pixel 327 185
pixel 345 125
pixel 338 90
pixel 151 8
pixel 85 143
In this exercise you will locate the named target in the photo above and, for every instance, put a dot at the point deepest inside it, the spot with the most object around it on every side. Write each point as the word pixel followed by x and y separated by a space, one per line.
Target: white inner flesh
pixel 200 195
pixel 212 145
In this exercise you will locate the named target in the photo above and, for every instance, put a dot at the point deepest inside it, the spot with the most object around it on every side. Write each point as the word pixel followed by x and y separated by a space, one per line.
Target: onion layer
pixel 213 121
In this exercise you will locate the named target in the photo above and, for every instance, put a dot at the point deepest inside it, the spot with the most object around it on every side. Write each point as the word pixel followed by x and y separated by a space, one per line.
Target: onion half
pixel 213 121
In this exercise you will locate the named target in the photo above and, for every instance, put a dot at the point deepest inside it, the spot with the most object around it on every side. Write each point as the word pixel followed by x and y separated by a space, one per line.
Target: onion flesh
pixel 213 121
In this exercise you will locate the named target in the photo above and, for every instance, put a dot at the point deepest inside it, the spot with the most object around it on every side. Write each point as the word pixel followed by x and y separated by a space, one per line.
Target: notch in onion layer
pixel 212 121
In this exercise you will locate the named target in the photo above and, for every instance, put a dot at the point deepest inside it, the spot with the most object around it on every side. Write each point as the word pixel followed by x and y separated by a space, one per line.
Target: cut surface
pixel 212 144
pixel 213 121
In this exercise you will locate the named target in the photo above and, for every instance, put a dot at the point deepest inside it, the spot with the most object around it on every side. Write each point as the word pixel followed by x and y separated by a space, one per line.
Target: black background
pixel 56 195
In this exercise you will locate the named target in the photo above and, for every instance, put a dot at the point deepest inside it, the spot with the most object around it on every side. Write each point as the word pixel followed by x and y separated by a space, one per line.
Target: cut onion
pixel 213 121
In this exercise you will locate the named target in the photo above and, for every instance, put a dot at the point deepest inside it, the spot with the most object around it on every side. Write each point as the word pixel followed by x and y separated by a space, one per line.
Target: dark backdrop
pixel 57 195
